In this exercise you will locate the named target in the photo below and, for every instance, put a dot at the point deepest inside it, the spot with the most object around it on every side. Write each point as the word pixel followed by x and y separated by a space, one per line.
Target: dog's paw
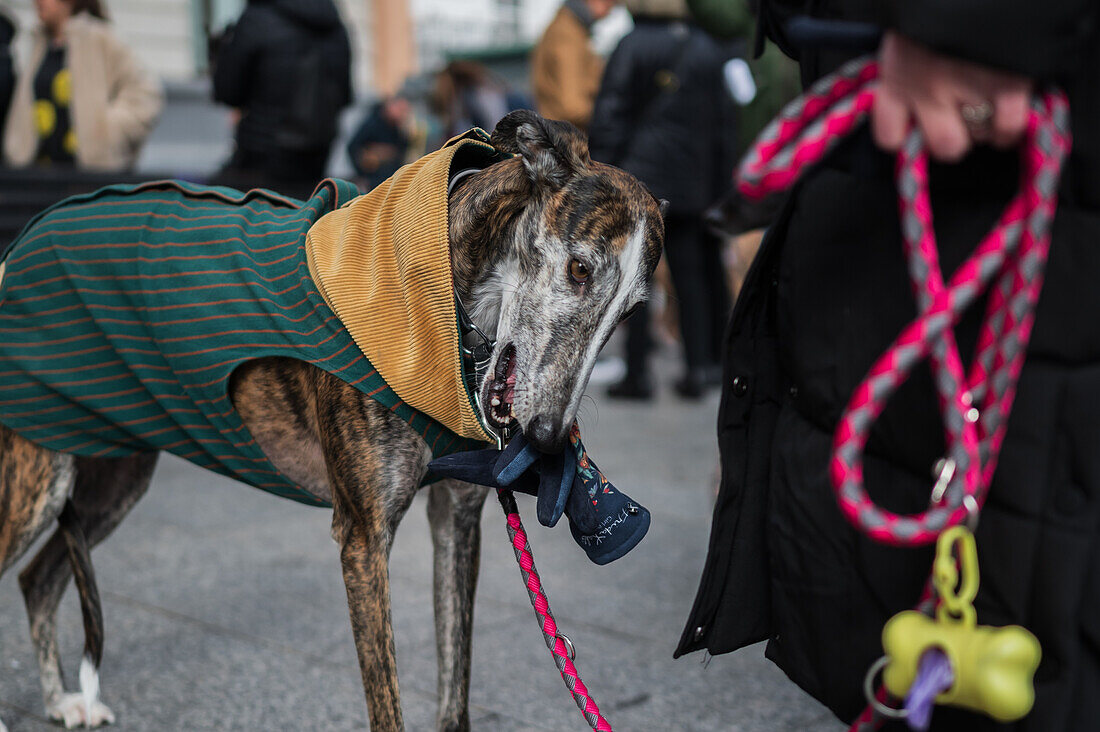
pixel 2 727
pixel 70 710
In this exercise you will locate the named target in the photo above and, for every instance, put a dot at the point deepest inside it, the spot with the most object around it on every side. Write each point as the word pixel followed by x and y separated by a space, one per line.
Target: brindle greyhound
pixel 549 251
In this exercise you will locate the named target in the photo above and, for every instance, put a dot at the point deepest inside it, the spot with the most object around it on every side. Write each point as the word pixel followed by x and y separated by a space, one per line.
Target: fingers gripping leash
pixel 1008 263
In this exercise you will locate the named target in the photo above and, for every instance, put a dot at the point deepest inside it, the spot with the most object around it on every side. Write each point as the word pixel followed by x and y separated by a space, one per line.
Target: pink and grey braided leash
pixel 555 641
pixel 1009 262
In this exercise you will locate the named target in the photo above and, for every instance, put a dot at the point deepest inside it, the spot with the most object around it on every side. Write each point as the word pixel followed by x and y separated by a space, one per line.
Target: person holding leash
pixel 829 293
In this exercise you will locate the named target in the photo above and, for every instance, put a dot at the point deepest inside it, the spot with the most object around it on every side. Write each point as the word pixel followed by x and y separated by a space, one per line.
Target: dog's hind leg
pixel 105 490
pixel 34 484
pixel 454 511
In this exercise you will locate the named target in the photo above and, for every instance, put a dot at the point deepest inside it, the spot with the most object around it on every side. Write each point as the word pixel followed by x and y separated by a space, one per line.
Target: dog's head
pixel 550 252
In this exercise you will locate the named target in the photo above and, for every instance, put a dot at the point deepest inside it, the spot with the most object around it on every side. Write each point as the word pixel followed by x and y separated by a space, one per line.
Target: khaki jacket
pixel 115 100
pixel 565 71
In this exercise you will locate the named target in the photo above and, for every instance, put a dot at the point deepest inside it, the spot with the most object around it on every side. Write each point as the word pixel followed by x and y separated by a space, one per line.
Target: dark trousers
pixel 695 260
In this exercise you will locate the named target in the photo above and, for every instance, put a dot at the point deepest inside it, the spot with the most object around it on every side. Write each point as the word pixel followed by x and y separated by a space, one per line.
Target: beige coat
pixel 115 100
pixel 565 71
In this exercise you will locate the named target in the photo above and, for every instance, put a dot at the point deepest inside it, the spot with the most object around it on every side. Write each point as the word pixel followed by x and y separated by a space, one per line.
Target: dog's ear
pixel 552 151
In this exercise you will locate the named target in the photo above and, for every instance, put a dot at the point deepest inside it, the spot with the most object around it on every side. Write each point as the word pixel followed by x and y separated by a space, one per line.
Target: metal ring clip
pixel 570 649
pixel 869 691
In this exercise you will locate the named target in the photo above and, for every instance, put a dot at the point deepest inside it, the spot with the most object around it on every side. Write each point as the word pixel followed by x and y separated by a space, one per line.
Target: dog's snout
pixel 545 433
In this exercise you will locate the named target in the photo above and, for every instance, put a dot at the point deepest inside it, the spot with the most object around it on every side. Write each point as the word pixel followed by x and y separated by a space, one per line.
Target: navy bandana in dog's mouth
pixel 605 522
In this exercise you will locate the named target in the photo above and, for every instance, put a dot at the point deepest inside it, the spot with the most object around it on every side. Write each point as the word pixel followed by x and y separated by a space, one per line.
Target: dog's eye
pixel 578 271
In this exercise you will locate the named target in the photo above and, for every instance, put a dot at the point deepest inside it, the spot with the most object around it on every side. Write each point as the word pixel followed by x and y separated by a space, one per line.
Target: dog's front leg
pixel 375 463
pixel 454 510
pixel 364 555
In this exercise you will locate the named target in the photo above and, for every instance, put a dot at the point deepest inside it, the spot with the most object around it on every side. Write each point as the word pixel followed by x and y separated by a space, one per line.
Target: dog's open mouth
pixel 502 389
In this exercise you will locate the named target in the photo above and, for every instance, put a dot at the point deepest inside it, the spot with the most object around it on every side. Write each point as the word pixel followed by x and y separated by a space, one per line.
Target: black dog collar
pixel 475 346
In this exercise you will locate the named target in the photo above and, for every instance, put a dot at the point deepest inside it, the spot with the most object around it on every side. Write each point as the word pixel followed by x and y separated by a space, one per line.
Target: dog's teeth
pixel 495 401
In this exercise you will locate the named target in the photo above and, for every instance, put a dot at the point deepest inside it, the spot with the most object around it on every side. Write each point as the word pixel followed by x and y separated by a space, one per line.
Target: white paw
pixel 2 727
pixel 70 711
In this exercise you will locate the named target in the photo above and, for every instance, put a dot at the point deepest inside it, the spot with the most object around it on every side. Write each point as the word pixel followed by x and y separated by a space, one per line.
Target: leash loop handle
pixel 807 129
pixel 1009 262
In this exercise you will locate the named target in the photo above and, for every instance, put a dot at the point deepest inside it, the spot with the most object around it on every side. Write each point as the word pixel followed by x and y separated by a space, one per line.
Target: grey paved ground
pixel 225 609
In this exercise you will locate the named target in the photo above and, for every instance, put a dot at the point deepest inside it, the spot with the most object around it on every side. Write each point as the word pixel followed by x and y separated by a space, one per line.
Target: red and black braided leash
pixel 1009 263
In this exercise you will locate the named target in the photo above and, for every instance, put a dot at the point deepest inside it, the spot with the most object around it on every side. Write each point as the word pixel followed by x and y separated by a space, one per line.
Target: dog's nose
pixel 544 433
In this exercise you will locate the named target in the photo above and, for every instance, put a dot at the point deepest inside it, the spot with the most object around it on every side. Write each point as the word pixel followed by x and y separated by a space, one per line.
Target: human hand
pixel 954 103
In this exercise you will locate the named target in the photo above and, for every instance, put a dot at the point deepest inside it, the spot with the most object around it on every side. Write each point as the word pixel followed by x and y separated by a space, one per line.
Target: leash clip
pixel 944 471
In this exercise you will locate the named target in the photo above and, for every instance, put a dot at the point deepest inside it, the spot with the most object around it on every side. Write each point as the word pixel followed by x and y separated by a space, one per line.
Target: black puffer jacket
pixel 7 67
pixel 663 115
pixel 259 62
pixel 827 294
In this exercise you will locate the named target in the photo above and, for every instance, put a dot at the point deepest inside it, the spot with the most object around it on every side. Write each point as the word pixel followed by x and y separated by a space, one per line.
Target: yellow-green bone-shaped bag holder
pixel 993 667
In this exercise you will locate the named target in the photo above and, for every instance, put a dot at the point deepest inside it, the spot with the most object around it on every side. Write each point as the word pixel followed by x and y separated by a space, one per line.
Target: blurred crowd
pixel 672 104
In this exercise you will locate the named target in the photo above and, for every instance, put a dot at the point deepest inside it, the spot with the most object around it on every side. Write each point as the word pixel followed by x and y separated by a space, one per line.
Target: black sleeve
pixel 7 67
pixel 232 68
pixel 772 17
pixel 364 134
pixel 1041 40
pixel 7 84
pixel 343 50
pixel 609 130
pixel 728 116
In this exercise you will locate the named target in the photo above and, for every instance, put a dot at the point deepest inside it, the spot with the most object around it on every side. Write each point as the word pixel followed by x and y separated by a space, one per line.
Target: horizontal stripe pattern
pixel 124 312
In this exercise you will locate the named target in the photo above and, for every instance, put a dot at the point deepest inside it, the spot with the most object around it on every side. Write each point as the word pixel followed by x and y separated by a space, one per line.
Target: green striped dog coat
pixel 124 312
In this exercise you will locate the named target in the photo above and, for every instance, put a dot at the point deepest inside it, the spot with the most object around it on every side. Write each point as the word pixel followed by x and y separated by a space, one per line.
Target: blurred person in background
pixel 286 67
pixel 760 85
pixel 565 70
pixel 382 142
pixel 663 115
pixel 83 99
pixel 466 94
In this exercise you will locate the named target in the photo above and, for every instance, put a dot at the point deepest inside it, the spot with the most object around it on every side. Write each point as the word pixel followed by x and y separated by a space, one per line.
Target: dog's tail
pixel 90 607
